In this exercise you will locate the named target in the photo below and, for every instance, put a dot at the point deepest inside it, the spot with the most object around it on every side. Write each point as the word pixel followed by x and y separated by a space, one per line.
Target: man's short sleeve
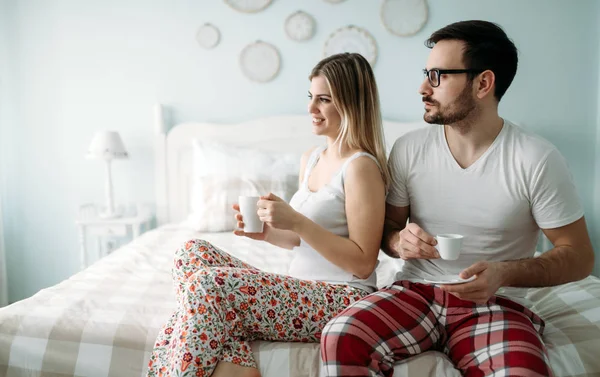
pixel 554 198
pixel 397 165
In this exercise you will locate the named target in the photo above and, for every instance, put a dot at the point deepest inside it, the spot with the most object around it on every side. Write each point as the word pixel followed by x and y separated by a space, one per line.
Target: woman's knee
pixel 195 245
pixel 208 280
pixel 189 250
pixel 203 286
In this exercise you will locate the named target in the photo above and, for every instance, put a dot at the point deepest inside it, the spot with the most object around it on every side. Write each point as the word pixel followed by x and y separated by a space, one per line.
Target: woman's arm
pixel 286 239
pixel 365 211
pixel 278 237
pixel 283 238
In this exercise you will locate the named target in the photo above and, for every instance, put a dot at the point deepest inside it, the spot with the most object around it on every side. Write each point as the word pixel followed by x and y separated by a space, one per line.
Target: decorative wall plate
pixel 260 61
pixel 300 26
pixel 404 17
pixel 248 6
pixel 208 36
pixel 352 39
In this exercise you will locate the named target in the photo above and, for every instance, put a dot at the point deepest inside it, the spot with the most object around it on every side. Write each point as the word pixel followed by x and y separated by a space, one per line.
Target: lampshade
pixel 107 145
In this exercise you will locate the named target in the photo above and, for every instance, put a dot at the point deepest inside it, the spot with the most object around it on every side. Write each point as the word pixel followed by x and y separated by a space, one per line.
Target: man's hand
pixel 415 243
pixel 489 278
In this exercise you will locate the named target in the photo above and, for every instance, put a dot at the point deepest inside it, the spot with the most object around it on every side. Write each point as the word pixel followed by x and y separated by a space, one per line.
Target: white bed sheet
pixel 104 320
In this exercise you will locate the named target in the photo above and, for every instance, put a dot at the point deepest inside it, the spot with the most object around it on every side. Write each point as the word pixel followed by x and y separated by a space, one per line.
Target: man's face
pixel 453 100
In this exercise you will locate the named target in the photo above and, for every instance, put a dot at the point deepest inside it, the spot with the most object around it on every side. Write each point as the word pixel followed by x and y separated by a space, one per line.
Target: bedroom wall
pixel 5 134
pixel 85 66
pixel 8 131
pixel 596 210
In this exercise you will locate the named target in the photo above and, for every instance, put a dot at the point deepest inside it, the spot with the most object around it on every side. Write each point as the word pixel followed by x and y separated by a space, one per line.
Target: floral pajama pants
pixel 224 303
pixel 500 338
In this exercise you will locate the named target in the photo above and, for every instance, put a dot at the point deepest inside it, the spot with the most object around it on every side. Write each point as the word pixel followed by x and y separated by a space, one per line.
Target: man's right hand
pixel 415 243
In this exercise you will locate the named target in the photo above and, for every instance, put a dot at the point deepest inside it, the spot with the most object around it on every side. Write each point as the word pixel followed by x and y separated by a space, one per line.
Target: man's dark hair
pixel 486 47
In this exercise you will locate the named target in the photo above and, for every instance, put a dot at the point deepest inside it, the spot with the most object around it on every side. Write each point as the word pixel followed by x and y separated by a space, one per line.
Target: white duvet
pixel 104 320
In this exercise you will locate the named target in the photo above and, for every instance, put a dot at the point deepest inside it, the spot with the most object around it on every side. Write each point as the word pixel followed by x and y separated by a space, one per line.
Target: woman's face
pixel 325 117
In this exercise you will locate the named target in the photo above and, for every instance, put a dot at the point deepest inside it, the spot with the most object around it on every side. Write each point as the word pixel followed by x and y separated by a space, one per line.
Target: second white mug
pixel 449 245
pixel 248 209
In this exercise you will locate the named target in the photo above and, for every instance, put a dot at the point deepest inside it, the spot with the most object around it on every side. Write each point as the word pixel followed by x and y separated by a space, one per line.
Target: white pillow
pixel 222 172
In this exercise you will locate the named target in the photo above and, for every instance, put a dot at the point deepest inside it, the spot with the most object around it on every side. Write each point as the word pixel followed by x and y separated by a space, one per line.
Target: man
pixel 481 176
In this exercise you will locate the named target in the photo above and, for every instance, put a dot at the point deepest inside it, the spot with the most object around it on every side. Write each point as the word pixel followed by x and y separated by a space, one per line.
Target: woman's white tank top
pixel 326 207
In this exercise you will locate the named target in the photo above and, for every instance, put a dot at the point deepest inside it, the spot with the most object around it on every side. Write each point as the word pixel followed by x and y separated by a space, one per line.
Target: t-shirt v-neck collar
pixel 474 165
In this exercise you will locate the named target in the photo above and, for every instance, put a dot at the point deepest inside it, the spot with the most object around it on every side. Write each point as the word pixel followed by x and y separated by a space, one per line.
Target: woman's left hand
pixel 277 213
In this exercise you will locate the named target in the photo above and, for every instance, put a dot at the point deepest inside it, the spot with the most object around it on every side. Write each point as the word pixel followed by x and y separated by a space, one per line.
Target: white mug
pixel 449 245
pixel 248 209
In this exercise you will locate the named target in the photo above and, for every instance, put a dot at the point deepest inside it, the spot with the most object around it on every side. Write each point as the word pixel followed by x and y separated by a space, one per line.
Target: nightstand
pixel 107 232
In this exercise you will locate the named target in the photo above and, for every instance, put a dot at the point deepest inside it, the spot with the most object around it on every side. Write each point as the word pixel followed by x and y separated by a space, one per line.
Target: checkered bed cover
pixel 103 321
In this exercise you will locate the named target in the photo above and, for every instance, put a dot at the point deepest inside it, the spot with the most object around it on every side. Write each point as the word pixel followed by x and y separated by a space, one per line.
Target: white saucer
pixel 448 279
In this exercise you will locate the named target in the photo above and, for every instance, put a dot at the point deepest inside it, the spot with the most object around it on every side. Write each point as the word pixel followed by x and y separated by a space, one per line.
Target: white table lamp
pixel 107 145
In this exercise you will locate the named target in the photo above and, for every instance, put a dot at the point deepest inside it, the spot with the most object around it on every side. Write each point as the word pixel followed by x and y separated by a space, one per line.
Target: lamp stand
pixel 110 212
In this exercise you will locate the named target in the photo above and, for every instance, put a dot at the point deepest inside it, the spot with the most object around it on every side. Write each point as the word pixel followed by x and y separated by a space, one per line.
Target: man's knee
pixel 342 332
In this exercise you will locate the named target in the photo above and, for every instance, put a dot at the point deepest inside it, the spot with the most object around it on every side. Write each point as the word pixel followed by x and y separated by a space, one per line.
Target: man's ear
pixel 485 84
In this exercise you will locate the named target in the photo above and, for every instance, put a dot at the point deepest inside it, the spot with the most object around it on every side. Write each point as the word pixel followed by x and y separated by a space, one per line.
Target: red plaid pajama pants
pixel 500 338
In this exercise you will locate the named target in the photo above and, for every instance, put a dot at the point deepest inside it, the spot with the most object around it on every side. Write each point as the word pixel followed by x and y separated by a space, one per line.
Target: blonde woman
pixel 333 223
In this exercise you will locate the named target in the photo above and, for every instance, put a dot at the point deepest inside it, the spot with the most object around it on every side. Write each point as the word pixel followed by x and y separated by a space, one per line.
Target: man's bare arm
pixel 571 259
pixel 395 221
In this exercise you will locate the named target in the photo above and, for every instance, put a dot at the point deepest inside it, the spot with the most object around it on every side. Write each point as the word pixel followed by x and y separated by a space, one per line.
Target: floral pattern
pixel 224 304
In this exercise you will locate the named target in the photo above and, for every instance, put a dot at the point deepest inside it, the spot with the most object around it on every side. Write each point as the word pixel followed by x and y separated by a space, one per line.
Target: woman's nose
pixel 312 107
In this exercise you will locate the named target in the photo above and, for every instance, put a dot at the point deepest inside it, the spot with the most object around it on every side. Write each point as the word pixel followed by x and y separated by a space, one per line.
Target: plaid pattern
pixel 104 320
pixel 501 338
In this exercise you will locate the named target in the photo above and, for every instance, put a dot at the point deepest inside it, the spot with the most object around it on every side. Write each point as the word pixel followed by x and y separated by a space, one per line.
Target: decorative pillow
pixel 222 172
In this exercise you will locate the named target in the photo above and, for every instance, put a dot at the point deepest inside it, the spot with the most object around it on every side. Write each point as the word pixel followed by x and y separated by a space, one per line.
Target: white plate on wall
pixel 248 6
pixel 300 26
pixel 404 17
pixel 208 36
pixel 260 61
pixel 352 39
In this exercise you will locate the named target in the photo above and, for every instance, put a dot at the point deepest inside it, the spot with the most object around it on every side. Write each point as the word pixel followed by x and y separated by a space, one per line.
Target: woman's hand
pixel 240 224
pixel 275 212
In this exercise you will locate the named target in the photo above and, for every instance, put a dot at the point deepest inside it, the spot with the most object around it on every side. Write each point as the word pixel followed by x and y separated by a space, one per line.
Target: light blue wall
pixel 9 131
pixel 596 209
pixel 90 65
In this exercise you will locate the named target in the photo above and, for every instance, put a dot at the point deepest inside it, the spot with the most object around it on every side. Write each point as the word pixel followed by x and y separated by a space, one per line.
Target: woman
pixel 334 223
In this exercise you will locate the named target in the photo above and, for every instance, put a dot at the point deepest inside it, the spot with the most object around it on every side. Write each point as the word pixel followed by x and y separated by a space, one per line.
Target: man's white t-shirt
pixel 499 203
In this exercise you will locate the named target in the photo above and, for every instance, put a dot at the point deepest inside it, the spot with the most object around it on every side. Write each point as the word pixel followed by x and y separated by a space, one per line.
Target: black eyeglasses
pixel 434 74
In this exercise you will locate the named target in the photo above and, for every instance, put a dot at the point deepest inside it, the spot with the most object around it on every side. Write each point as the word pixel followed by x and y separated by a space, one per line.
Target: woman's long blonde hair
pixel 354 93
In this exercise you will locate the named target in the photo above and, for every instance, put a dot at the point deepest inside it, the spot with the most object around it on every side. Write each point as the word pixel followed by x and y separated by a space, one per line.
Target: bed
pixel 103 321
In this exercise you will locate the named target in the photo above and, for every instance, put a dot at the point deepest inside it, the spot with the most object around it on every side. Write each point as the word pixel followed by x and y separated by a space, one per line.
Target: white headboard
pixel 282 133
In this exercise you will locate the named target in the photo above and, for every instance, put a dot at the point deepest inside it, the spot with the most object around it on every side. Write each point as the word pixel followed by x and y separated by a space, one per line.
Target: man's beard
pixel 463 106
